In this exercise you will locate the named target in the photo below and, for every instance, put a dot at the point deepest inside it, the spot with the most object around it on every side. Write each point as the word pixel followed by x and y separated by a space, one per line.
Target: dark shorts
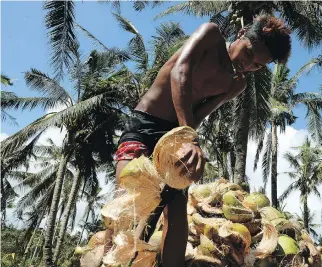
pixel 141 133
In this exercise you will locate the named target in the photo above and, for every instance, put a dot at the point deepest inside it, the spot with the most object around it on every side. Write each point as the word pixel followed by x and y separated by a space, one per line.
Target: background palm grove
pixel 88 96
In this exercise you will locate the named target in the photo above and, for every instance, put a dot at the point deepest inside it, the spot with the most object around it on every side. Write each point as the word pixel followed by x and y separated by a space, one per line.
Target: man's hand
pixel 191 160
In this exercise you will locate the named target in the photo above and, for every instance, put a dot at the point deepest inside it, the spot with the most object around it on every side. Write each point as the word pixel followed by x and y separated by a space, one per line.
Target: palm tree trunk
pixel 37 245
pixel 3 202
pixel 54 242
pixel 306 214
pixel 274 166
pixel 48 253
pixel 65 218
pixel 81 235
pixel 33 234
pixel 241 142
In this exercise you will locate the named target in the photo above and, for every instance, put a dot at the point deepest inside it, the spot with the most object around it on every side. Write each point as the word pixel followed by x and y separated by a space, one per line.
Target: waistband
pixel 154 119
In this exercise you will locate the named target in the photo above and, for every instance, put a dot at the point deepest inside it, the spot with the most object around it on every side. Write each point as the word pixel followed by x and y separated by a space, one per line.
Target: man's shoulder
pixel 210 28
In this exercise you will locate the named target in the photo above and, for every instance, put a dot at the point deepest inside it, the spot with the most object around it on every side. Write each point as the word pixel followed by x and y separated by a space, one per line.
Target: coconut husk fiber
pixel 168 151
pixel 228 227
pixel 141 195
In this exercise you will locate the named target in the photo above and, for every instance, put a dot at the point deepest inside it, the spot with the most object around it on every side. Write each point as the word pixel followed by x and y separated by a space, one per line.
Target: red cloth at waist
pixel 129 150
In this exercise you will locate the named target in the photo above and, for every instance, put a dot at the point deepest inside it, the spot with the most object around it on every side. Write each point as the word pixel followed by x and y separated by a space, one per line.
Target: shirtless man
pixel 201 76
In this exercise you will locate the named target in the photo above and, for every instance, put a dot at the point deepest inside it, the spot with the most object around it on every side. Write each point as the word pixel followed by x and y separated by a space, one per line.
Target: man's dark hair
pixel 273 32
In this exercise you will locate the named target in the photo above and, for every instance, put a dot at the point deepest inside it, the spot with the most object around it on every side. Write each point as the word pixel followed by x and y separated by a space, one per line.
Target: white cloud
pixel 3 136
pixel 286 141
pixel 56 134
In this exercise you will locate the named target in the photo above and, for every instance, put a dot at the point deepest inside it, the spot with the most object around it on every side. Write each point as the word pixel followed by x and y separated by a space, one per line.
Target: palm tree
pixel 307 175
pixel 303 19
pixel 96 94
pixel 311 226
pixel 282 100
pixel 95 201
pixel 36 202
pixel 216 138
pixel 10 165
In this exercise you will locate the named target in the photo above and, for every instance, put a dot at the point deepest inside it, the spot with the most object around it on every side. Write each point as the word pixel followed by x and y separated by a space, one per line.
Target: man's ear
pixel 242 32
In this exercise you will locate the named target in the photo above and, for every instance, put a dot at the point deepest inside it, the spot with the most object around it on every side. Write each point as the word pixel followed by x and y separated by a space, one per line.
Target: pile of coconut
pixel 227 226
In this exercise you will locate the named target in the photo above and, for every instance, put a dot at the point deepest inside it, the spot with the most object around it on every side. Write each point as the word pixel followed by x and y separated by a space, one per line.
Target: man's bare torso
pixel 211 77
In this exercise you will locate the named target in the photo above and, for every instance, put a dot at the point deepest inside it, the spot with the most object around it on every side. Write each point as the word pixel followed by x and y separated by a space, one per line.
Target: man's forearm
pixel 181 88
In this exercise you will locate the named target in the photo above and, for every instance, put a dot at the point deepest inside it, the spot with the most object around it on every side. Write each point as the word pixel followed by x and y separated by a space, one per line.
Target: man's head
pixel 266 40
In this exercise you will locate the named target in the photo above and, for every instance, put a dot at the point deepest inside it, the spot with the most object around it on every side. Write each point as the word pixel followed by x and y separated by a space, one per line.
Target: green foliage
pixel 13 245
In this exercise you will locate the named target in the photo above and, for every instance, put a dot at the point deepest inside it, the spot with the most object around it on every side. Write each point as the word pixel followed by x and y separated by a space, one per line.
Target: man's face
pixel 249 57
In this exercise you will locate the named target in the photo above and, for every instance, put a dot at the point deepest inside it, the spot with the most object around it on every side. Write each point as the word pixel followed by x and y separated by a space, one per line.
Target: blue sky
pixel 24 45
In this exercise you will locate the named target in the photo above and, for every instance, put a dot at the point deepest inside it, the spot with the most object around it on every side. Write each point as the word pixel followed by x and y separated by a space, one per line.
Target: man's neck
pixel 228 46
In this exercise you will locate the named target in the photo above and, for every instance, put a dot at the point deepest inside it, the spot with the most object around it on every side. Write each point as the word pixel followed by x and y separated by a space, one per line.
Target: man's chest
pixel 213 75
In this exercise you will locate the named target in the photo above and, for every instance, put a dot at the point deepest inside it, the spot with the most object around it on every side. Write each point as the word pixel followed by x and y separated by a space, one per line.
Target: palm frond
pixel 59 22
pixel 33 179
pixel 126 24
pixel 140 5
pixel 58 119
pixel 5 80
pixel 14 159
pixel 41 82
pixel 314 63
pixel 259 106
pixel 91 36
pixel 304 20
pixel 259 151
pixel 292 160
pixel 317 192
pixel 224 24
pixel 196 8
pixel 314 122
pixel 43 189
pixel 267 159
pixel 313 102
pixel 6 116
pixel 292 187
pixel 138 53
pixel 11 101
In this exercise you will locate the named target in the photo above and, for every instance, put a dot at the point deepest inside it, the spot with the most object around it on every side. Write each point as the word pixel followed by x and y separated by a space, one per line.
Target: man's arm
pixel 213 103
pixel 203 39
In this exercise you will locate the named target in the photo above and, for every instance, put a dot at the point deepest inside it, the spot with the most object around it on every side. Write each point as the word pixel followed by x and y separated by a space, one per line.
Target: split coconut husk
pixel 270 214
pixel 128 250
pixel 142 195
pixel 118 214
pixel 140 178
pixel 92 258
pixel 168 152
pixel 307 244
pixel 261 254
pixel 238 239
pixel 96 240
pixel 200 222
pixel 256 201
pixel 234 209
pixel 286 246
